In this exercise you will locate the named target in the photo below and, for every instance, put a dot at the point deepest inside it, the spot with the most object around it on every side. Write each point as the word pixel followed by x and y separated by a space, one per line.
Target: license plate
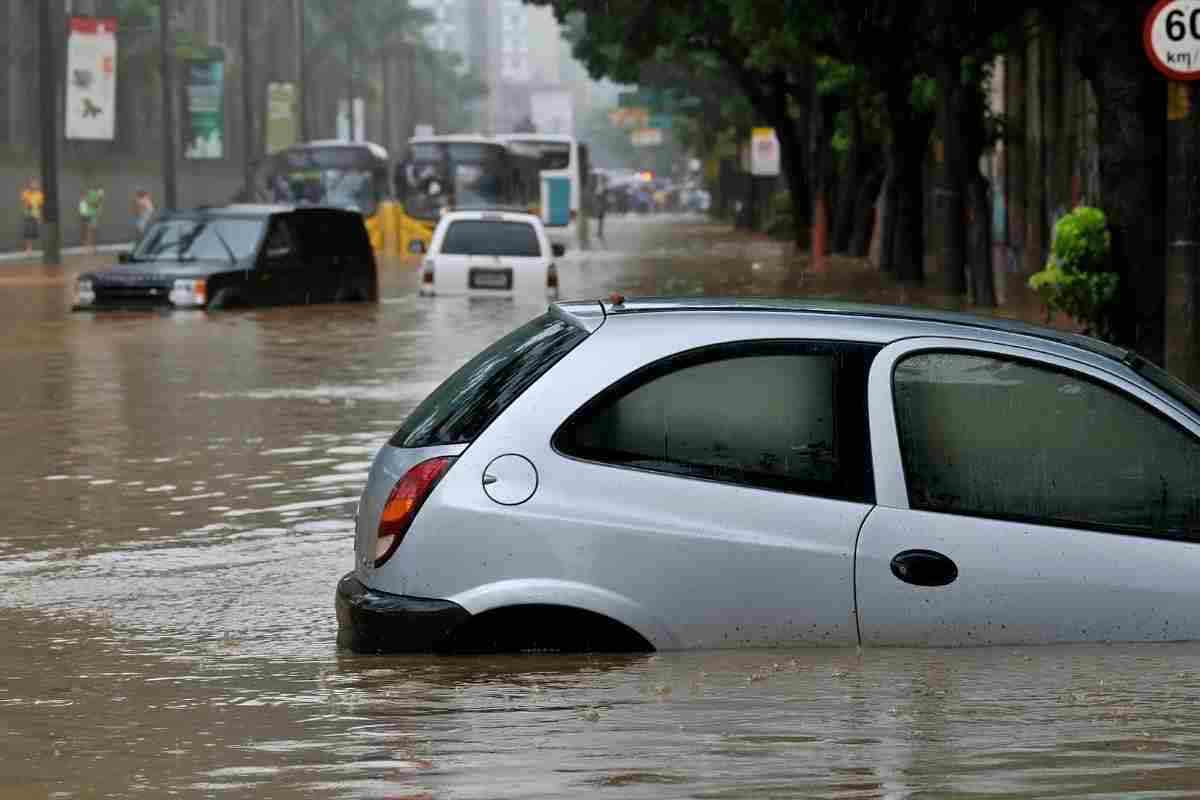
pixel 480 278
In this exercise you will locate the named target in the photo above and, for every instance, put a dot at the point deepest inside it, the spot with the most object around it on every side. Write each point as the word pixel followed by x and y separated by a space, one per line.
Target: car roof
pixel 493 215
pixel 252 210
pixel 591 314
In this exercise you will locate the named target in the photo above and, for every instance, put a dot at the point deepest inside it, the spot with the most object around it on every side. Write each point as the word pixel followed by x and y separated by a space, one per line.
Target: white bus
pixel 566 177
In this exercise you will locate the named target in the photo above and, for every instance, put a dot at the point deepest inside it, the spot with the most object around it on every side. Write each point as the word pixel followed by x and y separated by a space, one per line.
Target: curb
pixel 36 255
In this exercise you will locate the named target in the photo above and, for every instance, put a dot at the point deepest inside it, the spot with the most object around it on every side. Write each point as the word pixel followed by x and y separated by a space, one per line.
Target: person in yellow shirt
pixel 32 200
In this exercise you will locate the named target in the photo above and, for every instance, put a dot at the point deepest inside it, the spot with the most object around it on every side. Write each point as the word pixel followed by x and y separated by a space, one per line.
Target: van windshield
pixel 491 238
pixel 467 402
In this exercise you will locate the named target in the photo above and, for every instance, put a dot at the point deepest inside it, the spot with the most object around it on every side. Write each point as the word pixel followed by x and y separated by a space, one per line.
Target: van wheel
pixel 224 300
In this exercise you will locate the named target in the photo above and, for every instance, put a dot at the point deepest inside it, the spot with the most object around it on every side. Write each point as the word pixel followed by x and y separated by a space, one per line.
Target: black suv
pixel 239 255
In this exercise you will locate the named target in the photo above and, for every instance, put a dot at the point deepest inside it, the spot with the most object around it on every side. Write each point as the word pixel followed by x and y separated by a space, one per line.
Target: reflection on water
pixel 179 492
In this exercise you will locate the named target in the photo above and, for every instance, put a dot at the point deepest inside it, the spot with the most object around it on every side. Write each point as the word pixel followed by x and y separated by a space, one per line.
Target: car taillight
pixel 427 273
pixel 552 277
pixel 406 499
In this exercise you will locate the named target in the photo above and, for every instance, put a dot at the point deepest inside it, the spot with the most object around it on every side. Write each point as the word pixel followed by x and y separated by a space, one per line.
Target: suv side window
pixel 788 416
pixel 280 242
pixel 999 437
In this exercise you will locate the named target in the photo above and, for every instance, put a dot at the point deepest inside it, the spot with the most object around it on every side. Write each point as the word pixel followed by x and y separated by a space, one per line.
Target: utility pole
pixel 170 191
pixel 49 69
pixel 248 140
pixel 301 78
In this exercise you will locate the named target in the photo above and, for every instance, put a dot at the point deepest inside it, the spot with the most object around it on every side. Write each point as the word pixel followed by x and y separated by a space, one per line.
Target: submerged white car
pixel 703 474
pixel 491 253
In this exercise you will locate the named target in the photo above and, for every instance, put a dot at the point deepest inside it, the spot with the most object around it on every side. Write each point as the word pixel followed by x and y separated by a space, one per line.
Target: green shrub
pixel 1077 279
pixel 779 219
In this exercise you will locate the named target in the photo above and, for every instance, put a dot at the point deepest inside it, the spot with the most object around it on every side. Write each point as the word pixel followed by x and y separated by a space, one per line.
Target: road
pixel 177 496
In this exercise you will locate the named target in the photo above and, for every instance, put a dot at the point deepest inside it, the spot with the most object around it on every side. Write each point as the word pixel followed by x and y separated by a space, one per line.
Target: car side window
pixel 1000 437
pixel 788 416
pixel 280 244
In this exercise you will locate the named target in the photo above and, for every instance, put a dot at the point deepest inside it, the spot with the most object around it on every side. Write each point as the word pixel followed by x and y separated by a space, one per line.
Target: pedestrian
pixel 32 201
pixel 143 211
pixel 91 205
pixel 601 205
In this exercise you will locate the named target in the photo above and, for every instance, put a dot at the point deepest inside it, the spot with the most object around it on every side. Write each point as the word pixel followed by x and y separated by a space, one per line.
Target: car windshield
pixel 470 237
pixel 202 239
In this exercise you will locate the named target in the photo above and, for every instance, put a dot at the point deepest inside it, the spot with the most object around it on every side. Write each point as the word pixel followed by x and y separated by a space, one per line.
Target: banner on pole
pixel 282 125
pixel 91 78
pixel 204 108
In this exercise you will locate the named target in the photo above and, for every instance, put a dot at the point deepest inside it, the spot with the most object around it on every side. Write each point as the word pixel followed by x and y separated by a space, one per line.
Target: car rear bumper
pixel 370 621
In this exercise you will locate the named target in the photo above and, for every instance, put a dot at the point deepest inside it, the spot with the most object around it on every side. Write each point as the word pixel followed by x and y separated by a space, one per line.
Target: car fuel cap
pixel 510 479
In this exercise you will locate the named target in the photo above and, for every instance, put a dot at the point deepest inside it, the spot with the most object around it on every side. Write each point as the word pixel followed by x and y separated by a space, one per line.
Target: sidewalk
pixel 36 256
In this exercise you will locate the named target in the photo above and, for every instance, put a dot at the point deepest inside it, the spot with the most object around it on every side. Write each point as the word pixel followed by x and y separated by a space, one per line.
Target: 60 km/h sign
pixel 1172 39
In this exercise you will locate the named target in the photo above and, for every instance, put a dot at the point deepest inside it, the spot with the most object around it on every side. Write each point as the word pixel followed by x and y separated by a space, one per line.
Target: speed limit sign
pixel 1172 38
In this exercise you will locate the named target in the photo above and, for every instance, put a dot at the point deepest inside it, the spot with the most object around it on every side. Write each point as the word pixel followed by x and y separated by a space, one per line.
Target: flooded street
pixel 178 492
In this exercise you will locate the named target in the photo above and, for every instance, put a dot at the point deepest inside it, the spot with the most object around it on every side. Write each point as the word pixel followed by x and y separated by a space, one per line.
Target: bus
pixel 342 174
pixel 566 173
pixel 457 172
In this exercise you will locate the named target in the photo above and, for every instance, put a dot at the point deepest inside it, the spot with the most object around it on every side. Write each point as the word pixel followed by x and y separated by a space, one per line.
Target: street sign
pixel 1171 36
pixel 764 153
pixel 629 118
pixel 646 137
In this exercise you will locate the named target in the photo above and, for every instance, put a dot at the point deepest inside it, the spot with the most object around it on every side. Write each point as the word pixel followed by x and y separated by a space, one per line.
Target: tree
pixel 761 47
pixel 1103 38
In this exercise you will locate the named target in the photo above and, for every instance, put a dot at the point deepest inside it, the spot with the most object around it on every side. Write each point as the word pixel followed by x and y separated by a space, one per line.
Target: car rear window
pixel 467 402
pixel 470 237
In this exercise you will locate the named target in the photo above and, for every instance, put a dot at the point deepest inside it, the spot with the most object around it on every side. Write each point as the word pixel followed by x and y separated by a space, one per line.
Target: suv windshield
pixel 470 237
pixel 211 239
pixel 476 394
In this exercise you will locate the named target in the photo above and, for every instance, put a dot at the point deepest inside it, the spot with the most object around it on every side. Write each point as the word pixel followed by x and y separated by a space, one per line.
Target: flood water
pixel 177 492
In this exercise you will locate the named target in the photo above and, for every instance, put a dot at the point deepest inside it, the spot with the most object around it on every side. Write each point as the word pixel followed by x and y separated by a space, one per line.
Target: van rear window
pixel 470 237
pixel 467 402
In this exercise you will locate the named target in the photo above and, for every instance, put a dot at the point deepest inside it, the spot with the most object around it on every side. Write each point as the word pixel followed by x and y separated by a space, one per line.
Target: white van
pixel 493 253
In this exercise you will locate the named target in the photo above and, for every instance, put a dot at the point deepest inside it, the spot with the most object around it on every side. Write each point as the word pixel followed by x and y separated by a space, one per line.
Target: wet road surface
pixel 177 496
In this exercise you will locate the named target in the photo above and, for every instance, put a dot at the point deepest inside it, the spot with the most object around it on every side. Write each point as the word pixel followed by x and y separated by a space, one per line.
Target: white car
pixel 494 253
pixel 707 473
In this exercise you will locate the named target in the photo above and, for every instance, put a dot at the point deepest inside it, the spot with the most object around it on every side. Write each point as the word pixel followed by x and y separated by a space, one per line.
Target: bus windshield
pixel 440 177
pixel 344 177
pixel 554 155
pixel 344 188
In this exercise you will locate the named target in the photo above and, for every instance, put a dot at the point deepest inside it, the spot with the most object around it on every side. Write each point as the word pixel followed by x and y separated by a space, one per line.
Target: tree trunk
pixel 979 241
pixel 1131 98
pixel 955 172
pixel 792 162
pixel 974 137
pixel 903 251
pixel 863 226
pixel 824 116
pixel 852 175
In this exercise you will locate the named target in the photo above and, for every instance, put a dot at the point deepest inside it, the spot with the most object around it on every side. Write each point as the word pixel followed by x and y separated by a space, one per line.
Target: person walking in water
pixel 143 211
pixel 91 205
pixel 32 201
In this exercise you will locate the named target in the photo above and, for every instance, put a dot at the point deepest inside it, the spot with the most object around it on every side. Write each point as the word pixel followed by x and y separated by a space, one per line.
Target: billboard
pixel 91 78
pixel 646 137
pixel 552 112
pixel 764 153
pixel 204 108
pixel 282 125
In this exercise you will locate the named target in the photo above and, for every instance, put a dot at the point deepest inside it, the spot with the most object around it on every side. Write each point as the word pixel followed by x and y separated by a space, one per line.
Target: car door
pixel 1025 498
pixel 719 490
pixel 282 271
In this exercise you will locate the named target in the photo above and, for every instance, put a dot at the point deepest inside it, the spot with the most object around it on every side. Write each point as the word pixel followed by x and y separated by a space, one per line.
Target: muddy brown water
pixel 177 492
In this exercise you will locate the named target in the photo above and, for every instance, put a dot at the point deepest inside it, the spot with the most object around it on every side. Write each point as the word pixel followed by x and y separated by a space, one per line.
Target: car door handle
pixel 924 568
